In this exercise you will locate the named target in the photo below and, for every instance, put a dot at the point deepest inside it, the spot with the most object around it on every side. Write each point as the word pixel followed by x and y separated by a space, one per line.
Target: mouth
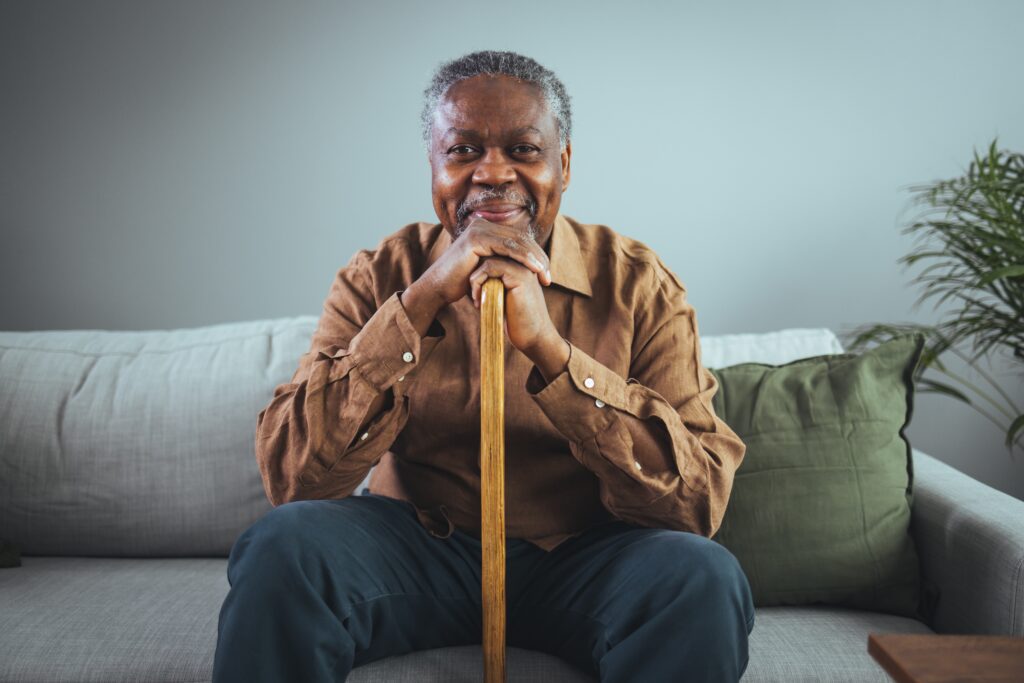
pixel 498 213
pixel 502 207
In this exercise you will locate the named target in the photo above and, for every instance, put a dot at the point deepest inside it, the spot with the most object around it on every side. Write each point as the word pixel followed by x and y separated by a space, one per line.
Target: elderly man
pixel 618 469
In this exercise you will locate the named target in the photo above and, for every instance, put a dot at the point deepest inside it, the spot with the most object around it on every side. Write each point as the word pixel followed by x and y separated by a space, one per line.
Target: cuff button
pixel 599 403
pixel 589 383
pixel 407 356
pixel 402 378
pixel 637 463
pixel 364 436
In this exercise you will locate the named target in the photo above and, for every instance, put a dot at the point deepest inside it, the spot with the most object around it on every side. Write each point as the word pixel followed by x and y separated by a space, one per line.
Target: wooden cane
pixel 492 477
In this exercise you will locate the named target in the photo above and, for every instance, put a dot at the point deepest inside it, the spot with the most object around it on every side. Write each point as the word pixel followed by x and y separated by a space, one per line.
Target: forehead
pixel 492 104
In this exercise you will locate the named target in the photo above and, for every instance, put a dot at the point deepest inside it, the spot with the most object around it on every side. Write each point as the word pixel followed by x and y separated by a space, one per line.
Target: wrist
pixel 551 356
pixel 420 306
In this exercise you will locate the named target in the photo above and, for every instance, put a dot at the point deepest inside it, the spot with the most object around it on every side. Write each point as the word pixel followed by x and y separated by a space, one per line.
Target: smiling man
pixel 618 470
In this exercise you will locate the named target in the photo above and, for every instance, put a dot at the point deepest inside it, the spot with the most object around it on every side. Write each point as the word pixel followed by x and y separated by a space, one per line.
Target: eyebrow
pixel 470 133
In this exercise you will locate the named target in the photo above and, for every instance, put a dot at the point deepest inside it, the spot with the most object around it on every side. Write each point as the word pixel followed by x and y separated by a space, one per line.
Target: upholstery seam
pixel 141 351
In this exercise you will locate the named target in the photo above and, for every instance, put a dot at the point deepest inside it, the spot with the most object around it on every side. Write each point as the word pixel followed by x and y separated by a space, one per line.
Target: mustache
pixel 508 195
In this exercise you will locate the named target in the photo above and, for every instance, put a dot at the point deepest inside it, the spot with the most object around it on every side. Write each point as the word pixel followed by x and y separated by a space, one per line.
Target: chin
pixel 529 228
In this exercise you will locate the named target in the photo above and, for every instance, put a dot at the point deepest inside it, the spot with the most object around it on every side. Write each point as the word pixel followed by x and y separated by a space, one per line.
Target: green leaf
pixel 1015 426
pixel 931 385
pixel 1000 273
pixel 968 256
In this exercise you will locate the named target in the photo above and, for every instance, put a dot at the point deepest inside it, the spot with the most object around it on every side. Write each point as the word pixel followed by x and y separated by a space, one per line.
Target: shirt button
pixel 402 378
pixel 589 383
pixel 364 436
pixel 599 403
pixel 637 463
pixel 407 356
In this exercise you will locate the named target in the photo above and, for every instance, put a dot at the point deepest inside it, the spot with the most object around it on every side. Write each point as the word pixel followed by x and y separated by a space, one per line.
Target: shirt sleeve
pixel 307 444
pixel 663 457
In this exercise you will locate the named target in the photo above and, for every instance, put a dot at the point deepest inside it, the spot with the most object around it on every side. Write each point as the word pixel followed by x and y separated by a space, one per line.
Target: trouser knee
pixel 714 580
pixel 279 546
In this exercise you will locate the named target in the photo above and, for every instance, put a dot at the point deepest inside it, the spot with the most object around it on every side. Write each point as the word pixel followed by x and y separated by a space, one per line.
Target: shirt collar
pixel 567 267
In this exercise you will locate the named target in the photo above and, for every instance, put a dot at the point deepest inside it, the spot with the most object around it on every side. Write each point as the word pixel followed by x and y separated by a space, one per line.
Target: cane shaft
pixel 492 477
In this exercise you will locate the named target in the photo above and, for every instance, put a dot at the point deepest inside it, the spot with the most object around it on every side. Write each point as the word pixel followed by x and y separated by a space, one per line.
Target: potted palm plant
pixel 970 235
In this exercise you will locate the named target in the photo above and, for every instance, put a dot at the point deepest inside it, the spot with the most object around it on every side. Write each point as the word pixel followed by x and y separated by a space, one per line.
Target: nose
pixel 494 168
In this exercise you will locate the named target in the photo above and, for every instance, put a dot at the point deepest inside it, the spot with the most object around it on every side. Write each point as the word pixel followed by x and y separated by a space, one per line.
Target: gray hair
pixel 503 63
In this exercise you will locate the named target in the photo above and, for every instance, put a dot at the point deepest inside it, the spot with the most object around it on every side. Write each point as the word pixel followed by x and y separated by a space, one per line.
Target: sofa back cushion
pixel 141 444
pixel 137 443
pixel 773 348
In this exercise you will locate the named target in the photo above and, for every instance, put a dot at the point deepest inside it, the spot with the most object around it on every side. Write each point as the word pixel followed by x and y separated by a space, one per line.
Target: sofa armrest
pixel 970 538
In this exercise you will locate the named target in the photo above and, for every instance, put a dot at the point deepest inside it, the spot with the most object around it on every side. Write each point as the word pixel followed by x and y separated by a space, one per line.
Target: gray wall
pixel 185 163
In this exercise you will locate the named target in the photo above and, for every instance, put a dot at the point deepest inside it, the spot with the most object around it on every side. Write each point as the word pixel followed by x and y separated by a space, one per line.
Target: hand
pixel 448 277
pixel 490 250
pixel 527 322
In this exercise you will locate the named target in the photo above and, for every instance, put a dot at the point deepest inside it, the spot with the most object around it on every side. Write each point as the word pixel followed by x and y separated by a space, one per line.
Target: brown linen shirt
pixel 627 432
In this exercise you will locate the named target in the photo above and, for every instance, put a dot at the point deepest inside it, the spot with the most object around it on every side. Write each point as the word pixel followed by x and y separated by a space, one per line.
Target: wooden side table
pixel 935 658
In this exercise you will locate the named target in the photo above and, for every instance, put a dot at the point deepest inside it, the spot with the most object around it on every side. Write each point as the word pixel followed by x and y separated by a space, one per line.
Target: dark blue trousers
pixel 321 586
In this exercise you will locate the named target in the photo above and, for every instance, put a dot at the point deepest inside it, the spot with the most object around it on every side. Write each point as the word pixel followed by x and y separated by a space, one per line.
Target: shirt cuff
pixel 579 402
pixel 388 348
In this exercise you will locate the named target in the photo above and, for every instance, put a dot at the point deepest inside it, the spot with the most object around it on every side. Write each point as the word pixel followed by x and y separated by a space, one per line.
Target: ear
pixel 566 156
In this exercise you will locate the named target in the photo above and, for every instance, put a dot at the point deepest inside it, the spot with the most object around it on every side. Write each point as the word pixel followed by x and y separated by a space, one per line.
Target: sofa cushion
pixel 819 644
pixel 774 348
pixel 141 443
pixel 137 443
pixel 820 507
pixel 155 621
pixel 110 619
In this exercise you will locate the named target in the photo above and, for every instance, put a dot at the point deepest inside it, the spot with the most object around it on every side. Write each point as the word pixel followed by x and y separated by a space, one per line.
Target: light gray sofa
pixel 127 471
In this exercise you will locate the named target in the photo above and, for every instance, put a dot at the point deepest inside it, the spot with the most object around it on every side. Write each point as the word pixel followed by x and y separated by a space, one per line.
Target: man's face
pixel 494 154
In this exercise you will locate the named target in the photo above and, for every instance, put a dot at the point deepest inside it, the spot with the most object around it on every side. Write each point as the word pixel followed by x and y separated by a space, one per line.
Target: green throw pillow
pixel 820 508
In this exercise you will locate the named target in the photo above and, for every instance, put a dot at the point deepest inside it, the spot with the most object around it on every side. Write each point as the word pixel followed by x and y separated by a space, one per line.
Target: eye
pixel 522 149
pixel 461 150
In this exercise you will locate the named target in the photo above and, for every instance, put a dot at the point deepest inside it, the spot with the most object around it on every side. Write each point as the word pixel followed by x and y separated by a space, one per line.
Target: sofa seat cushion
pixel 819 644
pixel 788 645
pixel 121 619
pixel 464 664
pixel 110 619
pixel 155 620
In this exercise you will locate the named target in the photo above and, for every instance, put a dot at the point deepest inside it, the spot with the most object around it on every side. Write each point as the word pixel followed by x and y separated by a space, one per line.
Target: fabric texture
pixel 820 644
pixel 628 431
pixel 820 512
pixel 970 538
pixel 137 443
pixel 110 619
